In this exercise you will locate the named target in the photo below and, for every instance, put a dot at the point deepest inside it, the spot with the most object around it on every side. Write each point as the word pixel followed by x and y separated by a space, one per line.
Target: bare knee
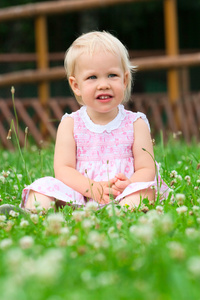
pixel 135 199
pixel 36 199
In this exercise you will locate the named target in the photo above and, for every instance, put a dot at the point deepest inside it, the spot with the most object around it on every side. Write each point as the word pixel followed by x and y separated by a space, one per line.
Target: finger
pixel 114 192
pixel 105 200
pixel 120 176
pixel 112 181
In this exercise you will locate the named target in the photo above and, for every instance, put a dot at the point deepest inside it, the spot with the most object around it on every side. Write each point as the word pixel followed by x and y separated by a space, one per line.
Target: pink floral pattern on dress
pixel 102 150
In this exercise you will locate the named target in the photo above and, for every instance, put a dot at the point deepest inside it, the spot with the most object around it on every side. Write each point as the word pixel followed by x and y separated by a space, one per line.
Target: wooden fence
pixel 157 107
pixel 170 113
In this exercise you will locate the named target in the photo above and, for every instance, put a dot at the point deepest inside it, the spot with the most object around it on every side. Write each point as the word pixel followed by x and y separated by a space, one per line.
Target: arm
pixel 144 166
pixel 65 166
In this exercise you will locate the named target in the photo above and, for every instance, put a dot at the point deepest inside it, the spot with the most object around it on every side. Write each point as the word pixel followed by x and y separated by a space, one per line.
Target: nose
pixel 103 84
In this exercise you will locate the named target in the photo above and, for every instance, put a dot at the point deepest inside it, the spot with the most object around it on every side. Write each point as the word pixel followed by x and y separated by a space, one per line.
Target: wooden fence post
pixel 41 41
pixel 172 49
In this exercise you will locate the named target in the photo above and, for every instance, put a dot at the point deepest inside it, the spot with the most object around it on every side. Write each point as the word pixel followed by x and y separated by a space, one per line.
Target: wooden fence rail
pixel 156 106
pixel 57 7
pixel 143 64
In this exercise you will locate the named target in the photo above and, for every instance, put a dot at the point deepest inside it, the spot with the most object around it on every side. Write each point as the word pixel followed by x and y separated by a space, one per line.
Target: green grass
pixel 103 254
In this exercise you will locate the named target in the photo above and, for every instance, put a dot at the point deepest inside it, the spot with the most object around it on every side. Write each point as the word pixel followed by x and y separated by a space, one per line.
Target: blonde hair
pixel 90 42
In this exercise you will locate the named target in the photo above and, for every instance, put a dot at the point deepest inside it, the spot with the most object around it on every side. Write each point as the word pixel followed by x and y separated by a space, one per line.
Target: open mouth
pixel 104 98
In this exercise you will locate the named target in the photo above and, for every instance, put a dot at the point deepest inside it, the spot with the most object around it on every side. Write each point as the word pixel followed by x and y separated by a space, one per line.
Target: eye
pixel 92 77
pixel 112 75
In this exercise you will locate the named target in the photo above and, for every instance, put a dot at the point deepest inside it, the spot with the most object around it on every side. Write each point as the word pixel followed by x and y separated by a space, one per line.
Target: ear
pixel 74 86
pixel 126 79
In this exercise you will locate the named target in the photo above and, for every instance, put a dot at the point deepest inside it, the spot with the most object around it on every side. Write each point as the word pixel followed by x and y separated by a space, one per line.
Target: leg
pixel 35 197
pixel 134 199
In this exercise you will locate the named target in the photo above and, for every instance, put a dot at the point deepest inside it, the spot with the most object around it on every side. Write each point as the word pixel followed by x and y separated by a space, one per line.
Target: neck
pixel 102 118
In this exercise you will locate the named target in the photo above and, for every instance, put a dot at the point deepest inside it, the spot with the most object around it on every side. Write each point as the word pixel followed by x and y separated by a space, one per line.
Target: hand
pixel 102 191
pixel 121 182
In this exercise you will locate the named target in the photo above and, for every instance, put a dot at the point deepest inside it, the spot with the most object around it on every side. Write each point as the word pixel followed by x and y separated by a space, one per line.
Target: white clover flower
pixel 64 231
pixel 191 233
pixel 195 208
pixel 166 223
pixel 173 174
pixel 193 265
pixel 143 232
pixel 100 257
pixel 159 209
pixel 78 215
pixel 198 180
pixel 13 213
pixel 5 173
pixel 180 198
pixel 143 220
pixel 91 206
pixel 24 223
pixel 6 243
pixel 2 179
pixel 97 240
pixel 176 250
pixel 119 224
pixel 87 223
pixel 47 267
pixel 86 276
pixel 19 177
pixel 26 242
pixel 153 217
pixel 179 177
pixel 113 210
pixel 15 187
pixel 34 218
pixel 182 209
pixel 112 233
pixel 5 155
pixel 14 258
pixel 105 278
pixel 188 178
pixel 54 223
pixel 72 240
pixel 2 218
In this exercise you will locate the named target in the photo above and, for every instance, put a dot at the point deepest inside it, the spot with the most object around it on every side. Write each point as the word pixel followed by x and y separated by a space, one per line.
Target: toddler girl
pixel 103 152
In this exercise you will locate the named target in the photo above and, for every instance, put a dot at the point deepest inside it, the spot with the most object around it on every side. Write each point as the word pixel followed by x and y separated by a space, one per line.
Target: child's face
pixel 99 80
